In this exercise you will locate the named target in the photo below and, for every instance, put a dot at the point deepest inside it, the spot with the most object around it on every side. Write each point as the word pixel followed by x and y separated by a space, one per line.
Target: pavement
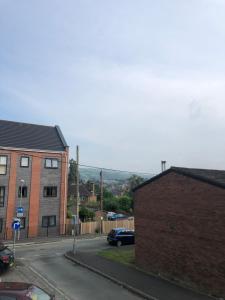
pixel 136 281
pixel 55 239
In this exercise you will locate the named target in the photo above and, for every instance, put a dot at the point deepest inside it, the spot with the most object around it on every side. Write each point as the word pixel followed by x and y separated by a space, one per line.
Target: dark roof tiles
pixel 31 136
pixel 214 177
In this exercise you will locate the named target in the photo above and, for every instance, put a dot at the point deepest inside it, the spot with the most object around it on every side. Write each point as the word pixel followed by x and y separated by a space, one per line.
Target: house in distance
pixel 180 225
pixel 33 177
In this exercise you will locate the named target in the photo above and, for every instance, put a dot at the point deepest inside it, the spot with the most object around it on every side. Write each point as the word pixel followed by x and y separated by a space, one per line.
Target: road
pixel 45 265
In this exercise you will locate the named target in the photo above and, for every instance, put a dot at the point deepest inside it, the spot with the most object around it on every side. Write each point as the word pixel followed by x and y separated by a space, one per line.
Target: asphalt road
pixel 45 265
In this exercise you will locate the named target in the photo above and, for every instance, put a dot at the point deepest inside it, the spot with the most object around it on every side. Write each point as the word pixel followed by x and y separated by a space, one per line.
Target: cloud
pixel 131 86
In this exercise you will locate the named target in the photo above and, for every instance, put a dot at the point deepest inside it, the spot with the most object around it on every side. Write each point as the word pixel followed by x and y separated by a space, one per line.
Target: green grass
pixel 121 255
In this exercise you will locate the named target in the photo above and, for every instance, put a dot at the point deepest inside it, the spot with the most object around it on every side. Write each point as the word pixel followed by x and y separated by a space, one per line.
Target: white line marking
pixel 49 284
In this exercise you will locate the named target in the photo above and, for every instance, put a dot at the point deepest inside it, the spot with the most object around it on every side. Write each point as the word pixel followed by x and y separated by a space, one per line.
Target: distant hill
pixel 94 174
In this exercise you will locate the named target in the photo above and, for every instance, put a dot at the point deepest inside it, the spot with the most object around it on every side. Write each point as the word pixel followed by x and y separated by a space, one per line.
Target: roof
pixel 31 136
pixel 214 177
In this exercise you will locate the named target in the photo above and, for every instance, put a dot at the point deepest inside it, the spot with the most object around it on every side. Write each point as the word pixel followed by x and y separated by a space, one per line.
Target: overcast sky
pixel 133 82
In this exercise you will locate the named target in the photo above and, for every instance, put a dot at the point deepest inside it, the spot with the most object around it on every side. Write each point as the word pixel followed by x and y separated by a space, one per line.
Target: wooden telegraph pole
pixel 77 184
pixel 76 217
pixel 101 200
pixel 101 191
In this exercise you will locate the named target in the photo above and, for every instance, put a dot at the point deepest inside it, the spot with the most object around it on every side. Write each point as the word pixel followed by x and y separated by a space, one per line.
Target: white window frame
pixel 3 164
pixel 49 163
pixel 21 162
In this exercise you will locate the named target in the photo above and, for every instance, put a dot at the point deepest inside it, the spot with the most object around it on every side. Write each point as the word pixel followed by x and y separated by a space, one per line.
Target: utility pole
pixel 76 217
pixel 101 191
pixel 77 183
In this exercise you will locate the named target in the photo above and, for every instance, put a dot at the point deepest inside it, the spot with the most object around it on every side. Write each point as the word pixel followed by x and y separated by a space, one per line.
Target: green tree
pixel 72 172
pixel 110 204
pixel 125 203
pixel 86 214
pixel 107 194
pixel 134 181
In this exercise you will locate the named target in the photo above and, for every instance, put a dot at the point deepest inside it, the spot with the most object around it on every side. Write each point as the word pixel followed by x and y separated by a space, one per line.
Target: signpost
pixel 19 212
pixel 15 227
pixel 75 222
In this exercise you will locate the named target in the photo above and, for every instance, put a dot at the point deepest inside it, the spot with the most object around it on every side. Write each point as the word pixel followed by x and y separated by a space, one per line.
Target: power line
pixel 63 161
pixel 116 170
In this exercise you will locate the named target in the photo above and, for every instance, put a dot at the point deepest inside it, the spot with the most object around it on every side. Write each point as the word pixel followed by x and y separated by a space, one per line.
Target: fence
pixel 67 229
pixel 109 225
pixel 89 227
pixel 105 226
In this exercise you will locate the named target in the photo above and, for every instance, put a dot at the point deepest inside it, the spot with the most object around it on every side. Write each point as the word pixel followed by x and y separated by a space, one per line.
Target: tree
pixel 125 203
pixel 134 181
pixel 72 172
pixel 110 204
pixel 86 214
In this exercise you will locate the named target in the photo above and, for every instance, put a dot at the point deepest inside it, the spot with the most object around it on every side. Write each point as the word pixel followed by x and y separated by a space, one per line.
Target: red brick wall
pixel 180 231
pixel 35 188
pixel 63 203
pixel 10 213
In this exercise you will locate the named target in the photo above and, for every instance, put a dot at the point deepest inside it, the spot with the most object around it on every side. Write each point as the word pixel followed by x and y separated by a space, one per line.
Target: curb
pixel 18 244
pixel 118 282
pixel 31 243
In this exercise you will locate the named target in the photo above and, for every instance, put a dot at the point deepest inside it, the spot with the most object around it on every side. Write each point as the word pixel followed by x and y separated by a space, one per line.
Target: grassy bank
pixel 121 255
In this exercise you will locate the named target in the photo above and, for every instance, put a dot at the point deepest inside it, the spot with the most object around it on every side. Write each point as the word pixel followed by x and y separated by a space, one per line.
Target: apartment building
pixel 33 178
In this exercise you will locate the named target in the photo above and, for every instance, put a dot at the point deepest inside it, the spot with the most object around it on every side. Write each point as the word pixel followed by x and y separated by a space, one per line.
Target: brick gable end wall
pixel 180 231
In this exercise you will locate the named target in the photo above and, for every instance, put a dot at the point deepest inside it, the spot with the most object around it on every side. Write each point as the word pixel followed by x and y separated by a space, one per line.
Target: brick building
pixel 33 175
pixel 180 227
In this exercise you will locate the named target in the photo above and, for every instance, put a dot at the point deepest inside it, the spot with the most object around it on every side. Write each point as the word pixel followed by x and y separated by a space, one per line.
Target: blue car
pixel 117 217
pixel 121 236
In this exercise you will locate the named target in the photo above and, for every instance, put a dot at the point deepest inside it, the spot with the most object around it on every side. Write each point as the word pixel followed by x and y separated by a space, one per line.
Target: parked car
pixel 117 217
pixel 110 214
pixel 121 236
pixel 22 291
pixel 6 257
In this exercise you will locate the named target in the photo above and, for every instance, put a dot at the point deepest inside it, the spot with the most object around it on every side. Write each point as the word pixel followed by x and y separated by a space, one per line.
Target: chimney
pixel 163 165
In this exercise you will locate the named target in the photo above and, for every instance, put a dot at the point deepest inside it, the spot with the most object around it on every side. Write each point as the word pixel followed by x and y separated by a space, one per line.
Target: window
pixel 51 163
pixel 2 196
pixel 1 224
pixel 122 233
pixel 50 191
pixel 24 191
pixel 24 161
pixel 39 294
pixel 3 164
pixel 49 221
pixel 22 223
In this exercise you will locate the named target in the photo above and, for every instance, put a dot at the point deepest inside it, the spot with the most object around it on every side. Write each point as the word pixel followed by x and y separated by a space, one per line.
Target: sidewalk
pixel 40 240
pixel 140 283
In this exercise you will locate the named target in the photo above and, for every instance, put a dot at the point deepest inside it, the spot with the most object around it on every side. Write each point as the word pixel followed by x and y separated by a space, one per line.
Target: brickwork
pixel 36 176
pixel 50 177
pixel 4 180
pixel 64 174
pixel 23 173
pixel 10 212
pixel 180 225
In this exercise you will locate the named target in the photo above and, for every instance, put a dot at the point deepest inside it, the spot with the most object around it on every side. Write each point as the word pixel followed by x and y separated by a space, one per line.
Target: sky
pixel 131 82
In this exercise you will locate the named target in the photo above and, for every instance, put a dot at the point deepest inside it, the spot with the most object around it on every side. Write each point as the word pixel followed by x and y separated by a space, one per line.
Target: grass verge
pixel 124 256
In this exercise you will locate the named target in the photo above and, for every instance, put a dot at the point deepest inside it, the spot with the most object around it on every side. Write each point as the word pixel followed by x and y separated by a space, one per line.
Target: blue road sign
pixel 19 210
pixel 16 224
